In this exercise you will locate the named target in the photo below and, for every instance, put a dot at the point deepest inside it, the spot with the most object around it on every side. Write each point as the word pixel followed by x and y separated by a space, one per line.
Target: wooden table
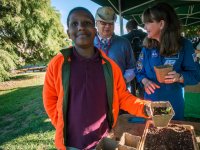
pixel 137 128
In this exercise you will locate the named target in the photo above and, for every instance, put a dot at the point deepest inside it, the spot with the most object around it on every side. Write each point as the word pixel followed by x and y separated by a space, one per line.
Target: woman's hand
pixel 149 86
pixel 172 77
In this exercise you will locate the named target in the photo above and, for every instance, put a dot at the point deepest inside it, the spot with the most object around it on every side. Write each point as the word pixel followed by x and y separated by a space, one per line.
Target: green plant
pixel 161 110
pixel 168 109
pixel 7 64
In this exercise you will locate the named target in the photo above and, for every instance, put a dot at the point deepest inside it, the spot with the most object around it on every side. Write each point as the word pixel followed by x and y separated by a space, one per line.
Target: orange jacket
pixel 55 93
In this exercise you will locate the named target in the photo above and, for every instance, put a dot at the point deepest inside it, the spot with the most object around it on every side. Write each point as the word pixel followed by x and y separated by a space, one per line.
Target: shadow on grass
pixel 22 113
pixel 22 77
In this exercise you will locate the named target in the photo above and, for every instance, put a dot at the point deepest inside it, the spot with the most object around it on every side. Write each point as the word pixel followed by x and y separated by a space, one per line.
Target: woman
pixel 164 45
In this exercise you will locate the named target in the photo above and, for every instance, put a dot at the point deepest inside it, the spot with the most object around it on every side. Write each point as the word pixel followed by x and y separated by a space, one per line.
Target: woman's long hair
pixel 150 43
pixel 170 37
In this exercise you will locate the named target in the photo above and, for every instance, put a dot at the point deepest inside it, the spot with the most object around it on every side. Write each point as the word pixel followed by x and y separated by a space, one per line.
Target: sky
pixel 64 6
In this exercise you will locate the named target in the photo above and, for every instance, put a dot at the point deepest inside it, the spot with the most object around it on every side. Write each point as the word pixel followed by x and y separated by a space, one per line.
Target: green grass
pixel 24 124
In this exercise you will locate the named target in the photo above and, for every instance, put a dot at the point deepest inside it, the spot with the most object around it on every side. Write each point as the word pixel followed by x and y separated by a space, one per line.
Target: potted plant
pixel 162 113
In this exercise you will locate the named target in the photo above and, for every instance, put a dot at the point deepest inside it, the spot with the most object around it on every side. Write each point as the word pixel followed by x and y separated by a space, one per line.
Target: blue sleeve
pixel 130 62
pixel 197 75
pixel 140 69
pixel 189 68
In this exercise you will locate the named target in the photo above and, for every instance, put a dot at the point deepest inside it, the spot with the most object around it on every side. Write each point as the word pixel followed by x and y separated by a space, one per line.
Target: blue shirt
pixel 182 63
pixel 119 50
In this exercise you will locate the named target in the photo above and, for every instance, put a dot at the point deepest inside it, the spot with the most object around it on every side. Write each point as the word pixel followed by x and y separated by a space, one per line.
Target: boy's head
pixel 80 9
pixel 81 27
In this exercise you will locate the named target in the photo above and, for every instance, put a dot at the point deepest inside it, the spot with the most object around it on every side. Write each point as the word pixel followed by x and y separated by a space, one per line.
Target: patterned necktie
pixel 104 44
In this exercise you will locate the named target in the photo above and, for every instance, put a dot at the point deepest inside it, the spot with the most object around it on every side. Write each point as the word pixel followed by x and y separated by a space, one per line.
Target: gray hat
pixel 105 14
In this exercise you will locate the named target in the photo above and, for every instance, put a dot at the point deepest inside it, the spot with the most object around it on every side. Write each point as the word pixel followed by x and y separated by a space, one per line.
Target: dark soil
pixel 161 110
pixel 173 137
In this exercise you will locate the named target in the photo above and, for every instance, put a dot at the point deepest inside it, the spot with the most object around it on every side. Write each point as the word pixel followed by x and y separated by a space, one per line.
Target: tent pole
pixel 120 18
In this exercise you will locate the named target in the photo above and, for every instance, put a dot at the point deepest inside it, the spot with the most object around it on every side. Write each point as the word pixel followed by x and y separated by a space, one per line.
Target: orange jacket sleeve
pixel 127 101
pixel 51 90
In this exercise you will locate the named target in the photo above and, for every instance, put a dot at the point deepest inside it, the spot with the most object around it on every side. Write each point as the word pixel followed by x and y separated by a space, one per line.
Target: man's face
pixel 105 30
pixel 81 29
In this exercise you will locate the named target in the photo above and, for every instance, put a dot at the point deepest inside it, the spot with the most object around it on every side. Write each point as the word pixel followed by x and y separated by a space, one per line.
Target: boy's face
pixel 81 29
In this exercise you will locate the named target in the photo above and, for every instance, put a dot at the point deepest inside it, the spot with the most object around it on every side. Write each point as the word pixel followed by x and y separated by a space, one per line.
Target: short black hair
pixel 80 9
pixel 131 24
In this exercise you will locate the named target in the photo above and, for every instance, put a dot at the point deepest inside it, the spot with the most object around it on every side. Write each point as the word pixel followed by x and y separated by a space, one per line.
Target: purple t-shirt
pixel 87 108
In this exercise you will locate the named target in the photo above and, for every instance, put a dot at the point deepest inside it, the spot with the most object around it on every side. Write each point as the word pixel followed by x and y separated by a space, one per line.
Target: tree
pixel 191 31
pixel 7 63
pixel 30 29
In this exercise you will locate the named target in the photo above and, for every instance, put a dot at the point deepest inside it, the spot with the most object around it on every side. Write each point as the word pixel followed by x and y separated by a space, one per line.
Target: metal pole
pixel 120 18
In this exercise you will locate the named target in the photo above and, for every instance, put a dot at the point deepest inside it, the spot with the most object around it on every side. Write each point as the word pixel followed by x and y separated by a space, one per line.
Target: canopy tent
pixel 187 10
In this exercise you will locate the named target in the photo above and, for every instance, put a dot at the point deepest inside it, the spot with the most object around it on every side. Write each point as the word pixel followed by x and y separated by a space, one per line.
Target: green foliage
pixel 30 29
pixel 7 64
pixel 68 43
pixel 191 31
pixel 166 110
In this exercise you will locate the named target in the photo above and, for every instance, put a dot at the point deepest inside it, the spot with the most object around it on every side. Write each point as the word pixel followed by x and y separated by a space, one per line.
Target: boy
pixel 84 89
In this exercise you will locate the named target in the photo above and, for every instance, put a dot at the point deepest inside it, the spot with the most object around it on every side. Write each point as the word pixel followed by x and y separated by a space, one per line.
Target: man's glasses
pixel 105 23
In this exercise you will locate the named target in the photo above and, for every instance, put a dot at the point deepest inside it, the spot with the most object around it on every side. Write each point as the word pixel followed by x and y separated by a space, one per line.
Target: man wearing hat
pixel 117 48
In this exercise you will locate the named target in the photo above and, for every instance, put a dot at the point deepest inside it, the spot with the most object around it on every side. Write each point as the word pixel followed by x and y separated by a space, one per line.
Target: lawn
pixel 24 124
